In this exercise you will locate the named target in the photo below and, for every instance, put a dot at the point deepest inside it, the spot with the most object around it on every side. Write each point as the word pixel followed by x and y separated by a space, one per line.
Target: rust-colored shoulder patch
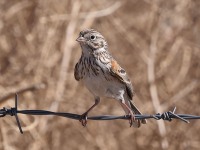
pixel 120 74
pixel 116 68
pixel 114 65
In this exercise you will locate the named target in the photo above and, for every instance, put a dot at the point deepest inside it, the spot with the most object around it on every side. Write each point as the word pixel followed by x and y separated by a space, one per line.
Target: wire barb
pixel 12 112
pixel 165 116
pixel 15 113
pixel 169 116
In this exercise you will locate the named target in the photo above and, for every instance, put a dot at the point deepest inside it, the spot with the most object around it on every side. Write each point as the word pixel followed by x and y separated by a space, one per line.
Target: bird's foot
pixel 83 119
pixel 131 119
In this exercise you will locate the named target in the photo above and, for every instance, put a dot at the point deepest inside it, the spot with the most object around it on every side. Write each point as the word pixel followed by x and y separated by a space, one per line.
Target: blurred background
pixel 156 41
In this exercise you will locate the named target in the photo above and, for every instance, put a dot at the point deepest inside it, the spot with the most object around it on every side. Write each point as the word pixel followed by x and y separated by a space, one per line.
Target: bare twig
pixel 87 15
pixel 187 55
pixel 23 90
pixel 68 45
pixel 170 57
pixel 102 13
pixel 182 93
pixel 16 8
pixel 151 79
pixel 5 142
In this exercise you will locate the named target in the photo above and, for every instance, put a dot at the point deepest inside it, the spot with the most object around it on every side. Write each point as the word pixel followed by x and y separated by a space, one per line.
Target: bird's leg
pixel 83 118
pixel 130 112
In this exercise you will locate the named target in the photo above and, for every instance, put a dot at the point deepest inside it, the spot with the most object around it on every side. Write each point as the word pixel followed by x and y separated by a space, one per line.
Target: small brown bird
pixel 103 76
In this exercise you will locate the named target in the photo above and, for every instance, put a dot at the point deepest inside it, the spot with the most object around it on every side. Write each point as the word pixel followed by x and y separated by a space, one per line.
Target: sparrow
pixel 103 76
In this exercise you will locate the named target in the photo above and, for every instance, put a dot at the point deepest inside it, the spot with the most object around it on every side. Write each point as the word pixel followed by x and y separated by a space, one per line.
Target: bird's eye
pixel 92 37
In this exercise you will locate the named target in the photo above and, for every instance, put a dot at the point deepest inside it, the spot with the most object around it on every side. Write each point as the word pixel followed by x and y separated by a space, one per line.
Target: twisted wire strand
pixel 168 116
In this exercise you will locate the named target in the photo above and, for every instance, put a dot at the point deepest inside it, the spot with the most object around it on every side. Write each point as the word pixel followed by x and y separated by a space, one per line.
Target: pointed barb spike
pixel 174 109
pixel 18 124
pixel 178 117
pixel 15 113
pixel 16 100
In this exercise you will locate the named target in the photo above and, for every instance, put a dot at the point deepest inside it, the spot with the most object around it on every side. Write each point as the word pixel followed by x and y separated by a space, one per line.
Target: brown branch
pixel 68 46
pixel 22 90
pixel 170 57
pixel 182 93
pixel 87 15
pixel 151 75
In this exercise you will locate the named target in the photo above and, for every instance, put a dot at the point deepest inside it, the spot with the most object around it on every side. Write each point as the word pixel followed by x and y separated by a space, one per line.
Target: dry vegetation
pixel 156 41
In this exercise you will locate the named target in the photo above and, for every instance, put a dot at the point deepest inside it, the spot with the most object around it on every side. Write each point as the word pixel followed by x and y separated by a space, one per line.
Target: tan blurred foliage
pixel 156 41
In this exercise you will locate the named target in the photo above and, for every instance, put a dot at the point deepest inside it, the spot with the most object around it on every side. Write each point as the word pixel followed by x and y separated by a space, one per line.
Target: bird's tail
pixel 136 111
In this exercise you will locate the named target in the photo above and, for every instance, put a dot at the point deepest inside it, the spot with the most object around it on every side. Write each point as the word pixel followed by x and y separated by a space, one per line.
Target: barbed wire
pixel 167 116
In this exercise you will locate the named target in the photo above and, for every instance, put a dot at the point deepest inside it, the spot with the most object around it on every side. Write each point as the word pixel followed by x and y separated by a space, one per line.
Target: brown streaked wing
pixel 120 74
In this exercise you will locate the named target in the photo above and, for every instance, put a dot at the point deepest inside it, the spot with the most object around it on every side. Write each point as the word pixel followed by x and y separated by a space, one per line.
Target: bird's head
pixel 91 40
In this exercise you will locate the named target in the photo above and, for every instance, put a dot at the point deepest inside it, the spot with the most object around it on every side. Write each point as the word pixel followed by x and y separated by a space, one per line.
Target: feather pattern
pixel 120 74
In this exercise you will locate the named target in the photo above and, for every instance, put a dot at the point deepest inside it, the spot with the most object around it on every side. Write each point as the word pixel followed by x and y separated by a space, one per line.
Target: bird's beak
pixel 80 39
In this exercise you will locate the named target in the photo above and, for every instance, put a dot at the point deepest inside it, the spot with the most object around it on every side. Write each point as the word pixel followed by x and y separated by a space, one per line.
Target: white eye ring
pixel 92 37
